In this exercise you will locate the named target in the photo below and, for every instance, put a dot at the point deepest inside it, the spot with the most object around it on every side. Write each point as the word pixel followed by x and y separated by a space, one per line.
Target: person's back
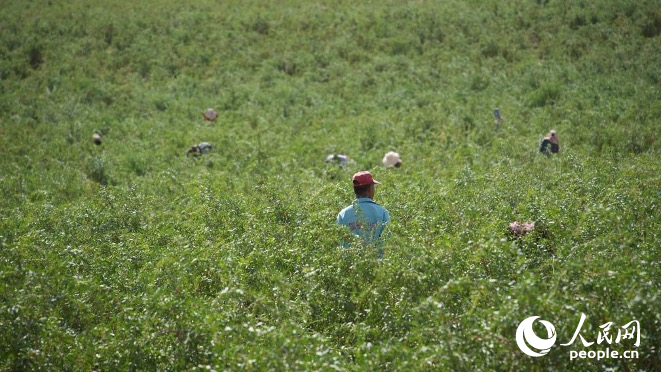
pixel 364 218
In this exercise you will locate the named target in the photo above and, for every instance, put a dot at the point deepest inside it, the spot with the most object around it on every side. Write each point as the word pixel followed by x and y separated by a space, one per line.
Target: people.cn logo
pixel 525 337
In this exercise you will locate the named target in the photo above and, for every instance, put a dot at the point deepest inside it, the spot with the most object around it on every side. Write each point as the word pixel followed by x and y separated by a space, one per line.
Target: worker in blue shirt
pixel 365 218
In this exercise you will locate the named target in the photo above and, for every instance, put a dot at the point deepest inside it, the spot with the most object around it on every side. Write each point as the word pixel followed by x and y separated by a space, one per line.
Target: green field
pixel 130 255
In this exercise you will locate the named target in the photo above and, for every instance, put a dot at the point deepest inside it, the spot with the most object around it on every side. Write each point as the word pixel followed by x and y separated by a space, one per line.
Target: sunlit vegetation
pixel 130 255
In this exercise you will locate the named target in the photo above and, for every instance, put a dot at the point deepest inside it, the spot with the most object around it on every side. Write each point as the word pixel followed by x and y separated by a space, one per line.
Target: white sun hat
pixel 392 159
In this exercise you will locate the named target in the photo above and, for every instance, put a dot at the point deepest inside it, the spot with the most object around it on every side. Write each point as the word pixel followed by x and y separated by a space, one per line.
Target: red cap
pixel 364 178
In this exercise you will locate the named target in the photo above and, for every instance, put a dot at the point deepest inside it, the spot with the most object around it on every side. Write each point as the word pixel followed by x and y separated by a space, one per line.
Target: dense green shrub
pixel 131 255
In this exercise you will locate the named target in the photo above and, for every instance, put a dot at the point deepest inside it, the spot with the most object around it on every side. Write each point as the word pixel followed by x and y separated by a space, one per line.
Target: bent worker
pixel 337 159
pixel 550 143
pixel 365 218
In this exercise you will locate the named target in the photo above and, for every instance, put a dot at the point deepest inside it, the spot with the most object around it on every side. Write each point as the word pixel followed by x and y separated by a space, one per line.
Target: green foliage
pixel 131 256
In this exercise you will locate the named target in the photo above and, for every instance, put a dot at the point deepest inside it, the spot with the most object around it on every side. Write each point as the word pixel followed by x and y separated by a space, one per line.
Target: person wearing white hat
pixel 365 218
pixel 96 138
pixel 392 159
pixel 550 143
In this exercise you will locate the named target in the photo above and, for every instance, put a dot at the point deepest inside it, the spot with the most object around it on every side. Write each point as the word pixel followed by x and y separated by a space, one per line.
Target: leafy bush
pixel 130 255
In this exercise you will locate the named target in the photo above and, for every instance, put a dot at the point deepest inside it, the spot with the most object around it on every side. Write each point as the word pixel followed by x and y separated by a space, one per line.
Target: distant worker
pixel 498 119
pixel 392 159
pixel 199 149
pixel 550 143
pixel 338 159
pixel 365 218
pixel 210 115
pixel 96 138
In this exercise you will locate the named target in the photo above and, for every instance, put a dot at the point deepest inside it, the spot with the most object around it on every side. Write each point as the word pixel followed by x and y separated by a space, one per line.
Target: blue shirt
pixel 365 218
